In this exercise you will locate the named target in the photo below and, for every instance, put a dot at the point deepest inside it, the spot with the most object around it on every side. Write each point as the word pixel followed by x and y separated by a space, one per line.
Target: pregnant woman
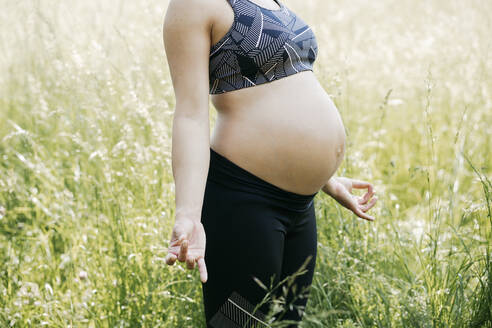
pixel 244 197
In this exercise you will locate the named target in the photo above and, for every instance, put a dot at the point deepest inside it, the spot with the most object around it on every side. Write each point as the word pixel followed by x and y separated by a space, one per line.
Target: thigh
pixel 243 240
pixel 300 247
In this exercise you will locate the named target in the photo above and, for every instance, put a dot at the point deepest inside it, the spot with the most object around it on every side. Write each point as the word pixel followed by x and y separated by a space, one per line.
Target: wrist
pixel 190 214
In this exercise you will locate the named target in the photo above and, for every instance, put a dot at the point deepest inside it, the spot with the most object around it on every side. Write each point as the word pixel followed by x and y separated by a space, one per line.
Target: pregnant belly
pixel 287 132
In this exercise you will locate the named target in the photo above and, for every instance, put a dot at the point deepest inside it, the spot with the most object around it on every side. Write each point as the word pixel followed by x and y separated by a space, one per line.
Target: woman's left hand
pixel 340 188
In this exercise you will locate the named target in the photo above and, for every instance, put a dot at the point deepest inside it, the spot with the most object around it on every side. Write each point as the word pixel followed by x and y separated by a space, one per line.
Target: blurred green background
pixel 86 187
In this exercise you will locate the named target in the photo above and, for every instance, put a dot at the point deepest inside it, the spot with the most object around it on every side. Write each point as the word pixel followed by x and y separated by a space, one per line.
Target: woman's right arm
pixel 186 35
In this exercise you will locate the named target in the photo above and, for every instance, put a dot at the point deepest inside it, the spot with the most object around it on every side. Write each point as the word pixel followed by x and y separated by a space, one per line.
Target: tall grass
pixel 86 190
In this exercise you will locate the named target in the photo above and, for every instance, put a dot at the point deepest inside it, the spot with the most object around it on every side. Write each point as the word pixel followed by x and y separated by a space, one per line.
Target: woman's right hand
pixel 188 245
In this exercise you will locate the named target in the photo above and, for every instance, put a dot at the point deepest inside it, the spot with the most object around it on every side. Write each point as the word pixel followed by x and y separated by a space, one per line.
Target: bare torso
pixel 287 132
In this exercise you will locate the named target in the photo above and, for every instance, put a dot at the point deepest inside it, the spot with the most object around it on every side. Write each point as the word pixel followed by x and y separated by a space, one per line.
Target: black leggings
pixel 254 229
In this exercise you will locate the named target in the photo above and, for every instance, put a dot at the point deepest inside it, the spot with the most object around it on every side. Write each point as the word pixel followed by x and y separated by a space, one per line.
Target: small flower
pixel 395 102
pixel 48 288
pixel 83 275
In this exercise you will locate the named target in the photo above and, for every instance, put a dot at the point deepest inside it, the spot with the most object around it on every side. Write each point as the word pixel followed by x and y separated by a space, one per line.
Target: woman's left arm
pixel 340 188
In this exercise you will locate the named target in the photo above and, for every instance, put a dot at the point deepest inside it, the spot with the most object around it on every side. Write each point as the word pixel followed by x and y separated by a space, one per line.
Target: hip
pixel 228 183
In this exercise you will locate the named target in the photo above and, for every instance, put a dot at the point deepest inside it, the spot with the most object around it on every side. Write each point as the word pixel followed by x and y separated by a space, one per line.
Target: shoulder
pixel 193 11
pixel 187 39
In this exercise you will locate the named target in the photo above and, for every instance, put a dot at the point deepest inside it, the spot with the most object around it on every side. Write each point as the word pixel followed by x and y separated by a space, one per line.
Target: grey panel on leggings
pixel 237 312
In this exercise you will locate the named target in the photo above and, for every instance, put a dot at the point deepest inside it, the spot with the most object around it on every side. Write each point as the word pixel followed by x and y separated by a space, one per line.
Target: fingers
pixel 190 263
pixel 202 268
pixel 364 216
pixel 363 207
pixel 359 184
pixel 170 258
pixel 183 256
pixel 368 206
pixel 183 251
pixel 362 200
pixel 368 194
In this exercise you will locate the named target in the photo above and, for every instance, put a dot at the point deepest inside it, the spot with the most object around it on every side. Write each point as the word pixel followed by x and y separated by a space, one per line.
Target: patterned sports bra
pixel 261 46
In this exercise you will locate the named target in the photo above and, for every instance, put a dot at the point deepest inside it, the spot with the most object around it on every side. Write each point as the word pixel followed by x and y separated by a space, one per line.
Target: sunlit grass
pixel 86 190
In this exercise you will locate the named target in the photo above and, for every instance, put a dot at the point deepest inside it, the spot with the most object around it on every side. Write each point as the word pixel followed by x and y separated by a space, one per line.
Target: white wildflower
pixel 83 275
pixel 3 211
pixel 395 102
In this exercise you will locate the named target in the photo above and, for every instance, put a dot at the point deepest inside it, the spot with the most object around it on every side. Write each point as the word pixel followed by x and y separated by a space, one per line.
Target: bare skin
pixel 287 132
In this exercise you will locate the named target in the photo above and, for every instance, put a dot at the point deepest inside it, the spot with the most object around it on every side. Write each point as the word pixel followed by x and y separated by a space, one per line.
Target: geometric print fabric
pixel 261 46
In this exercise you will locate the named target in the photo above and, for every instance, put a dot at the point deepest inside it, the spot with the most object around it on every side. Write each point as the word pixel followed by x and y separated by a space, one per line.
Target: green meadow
pixel 87 192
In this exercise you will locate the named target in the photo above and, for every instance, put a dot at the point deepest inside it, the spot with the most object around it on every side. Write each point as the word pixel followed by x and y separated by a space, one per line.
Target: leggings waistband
pixel 227 173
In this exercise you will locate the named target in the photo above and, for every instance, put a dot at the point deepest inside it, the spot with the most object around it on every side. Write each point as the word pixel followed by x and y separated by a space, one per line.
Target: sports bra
pixel 261 46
